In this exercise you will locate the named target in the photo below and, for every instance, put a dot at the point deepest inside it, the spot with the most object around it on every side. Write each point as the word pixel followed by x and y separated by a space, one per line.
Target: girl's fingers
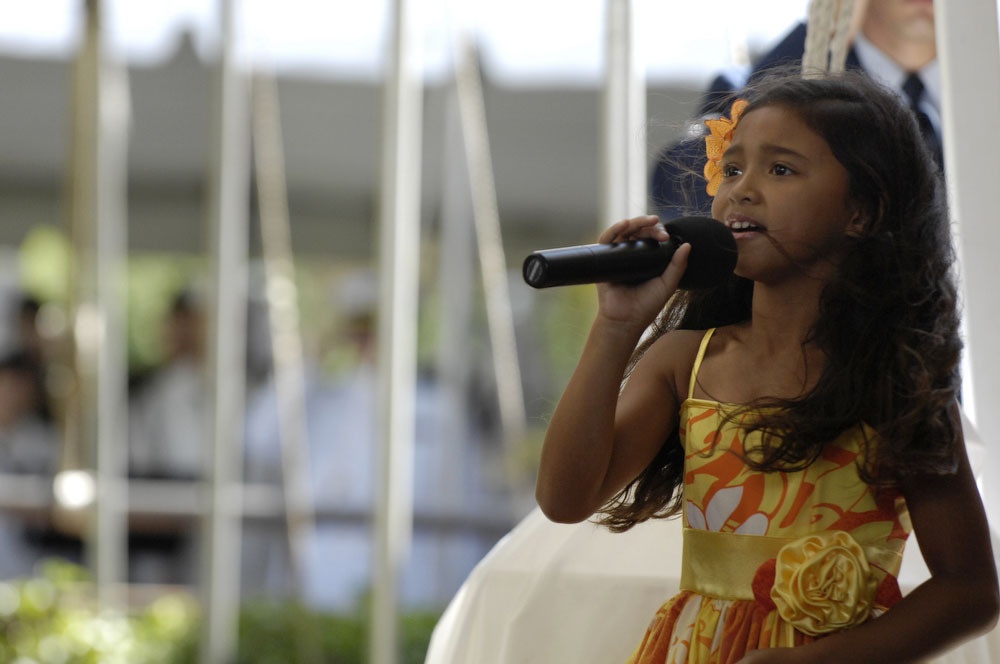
pixel 635 228
pixel 675 270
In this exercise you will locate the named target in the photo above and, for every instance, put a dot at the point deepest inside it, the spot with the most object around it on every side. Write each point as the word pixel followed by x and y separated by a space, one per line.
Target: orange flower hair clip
pixel 717 142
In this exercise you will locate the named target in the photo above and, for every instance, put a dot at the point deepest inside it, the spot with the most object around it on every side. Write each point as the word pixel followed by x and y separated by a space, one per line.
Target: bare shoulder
pixel 671 358
pixel 648 408
pixel 678 342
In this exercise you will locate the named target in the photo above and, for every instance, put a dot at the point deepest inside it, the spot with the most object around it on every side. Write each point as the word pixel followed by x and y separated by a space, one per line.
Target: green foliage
pixel 288 633
pixel 44 263
pixel 279 632
pixel 52 618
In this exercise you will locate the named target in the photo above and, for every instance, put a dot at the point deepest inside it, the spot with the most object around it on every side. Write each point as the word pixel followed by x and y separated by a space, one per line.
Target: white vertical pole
pixel 398 260
pixel 112 369
pixel 228 194
pixel 98 228
pixel 493 264
pixel 624 155
pixel 967 39
pixel 283 321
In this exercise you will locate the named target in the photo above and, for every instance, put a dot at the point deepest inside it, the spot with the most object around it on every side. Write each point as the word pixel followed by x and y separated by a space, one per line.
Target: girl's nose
pixel 744 190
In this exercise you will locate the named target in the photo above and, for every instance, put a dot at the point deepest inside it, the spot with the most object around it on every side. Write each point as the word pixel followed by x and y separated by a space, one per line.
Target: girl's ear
pixel 858 223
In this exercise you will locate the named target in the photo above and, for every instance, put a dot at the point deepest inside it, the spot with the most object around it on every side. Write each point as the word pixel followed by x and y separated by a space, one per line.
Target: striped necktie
pixel 913 88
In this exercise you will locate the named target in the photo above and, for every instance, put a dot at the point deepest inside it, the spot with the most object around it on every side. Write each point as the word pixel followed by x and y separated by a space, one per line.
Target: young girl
pixel 802 417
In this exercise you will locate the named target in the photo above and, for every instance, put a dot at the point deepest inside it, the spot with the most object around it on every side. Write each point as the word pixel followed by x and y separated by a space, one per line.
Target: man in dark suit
pixel 894 43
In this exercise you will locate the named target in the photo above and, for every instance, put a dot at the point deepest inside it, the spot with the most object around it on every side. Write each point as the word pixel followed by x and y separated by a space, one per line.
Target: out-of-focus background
pixel 113 224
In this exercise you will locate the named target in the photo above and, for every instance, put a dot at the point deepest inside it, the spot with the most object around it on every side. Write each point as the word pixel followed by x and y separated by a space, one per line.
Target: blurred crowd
pixel 167 441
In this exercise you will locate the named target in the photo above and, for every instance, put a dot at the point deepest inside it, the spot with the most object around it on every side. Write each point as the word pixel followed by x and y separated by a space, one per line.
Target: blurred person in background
pixel 28 338
pixel 341 418
pixel 166 417
pixel 339 411
pixel 29 445
pixel 28 439
pixel 167 440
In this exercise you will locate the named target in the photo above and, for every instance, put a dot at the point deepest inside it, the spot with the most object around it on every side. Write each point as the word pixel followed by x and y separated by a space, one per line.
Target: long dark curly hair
pixel 888 321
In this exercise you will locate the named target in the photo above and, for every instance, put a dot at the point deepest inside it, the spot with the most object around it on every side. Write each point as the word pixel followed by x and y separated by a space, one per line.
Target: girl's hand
pixel 640 303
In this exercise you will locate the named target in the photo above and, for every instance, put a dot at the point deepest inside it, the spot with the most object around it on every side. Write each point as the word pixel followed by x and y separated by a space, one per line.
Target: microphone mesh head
pixel 713 250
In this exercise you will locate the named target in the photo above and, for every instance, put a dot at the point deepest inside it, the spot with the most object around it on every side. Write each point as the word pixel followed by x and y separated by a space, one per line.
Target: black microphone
pixel 712 258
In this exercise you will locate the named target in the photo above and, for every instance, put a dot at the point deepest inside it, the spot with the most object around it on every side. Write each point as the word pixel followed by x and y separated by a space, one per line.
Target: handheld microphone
pixel 712 258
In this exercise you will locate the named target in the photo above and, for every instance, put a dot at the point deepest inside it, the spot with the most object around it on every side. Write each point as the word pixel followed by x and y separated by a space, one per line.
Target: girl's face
pixel 785 196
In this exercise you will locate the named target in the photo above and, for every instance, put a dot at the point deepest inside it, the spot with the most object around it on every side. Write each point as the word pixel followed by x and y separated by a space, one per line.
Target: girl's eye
pixel 781 169
pixel 729 170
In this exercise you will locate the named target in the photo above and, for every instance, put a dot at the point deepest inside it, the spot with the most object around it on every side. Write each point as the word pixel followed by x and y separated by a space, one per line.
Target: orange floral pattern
pixel 722 494
pixel 717 142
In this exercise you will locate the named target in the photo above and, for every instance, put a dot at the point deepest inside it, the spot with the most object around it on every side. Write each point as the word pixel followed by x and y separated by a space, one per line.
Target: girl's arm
pixel 584 461
pixel 960 600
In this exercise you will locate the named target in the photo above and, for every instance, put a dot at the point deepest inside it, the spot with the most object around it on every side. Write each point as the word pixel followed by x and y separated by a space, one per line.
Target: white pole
pixel 228 195
pixel 283 318
pixel 969 53
pixel 492 261
pixel 624 158
pixel 98 227
pixel 398 260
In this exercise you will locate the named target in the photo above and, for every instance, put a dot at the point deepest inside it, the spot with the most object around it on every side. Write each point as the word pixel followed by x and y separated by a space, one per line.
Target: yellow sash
pixel 723 564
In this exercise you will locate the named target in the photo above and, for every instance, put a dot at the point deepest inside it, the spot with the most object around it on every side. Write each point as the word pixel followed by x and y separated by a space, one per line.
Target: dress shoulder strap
pixel 697 361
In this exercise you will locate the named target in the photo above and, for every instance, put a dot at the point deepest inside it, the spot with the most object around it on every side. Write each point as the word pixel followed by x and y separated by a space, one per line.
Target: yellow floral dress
pixel 772 559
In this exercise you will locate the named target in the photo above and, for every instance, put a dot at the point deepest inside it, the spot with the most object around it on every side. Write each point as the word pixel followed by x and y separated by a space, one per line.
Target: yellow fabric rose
pixel 823 583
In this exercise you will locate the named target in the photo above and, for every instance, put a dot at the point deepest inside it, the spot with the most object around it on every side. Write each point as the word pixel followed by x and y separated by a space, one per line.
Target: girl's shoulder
pixel 673 356
pixel 687 343
pixel 675 345
pixel 680 353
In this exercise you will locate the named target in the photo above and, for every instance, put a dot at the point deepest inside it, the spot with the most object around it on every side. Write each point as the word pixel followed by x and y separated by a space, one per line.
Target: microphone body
pixel 712 258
